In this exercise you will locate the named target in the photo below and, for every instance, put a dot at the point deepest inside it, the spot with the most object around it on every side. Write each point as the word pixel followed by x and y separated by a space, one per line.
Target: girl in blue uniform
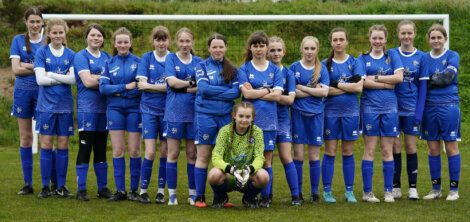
pixel 54 75
pixel 89 64
pixel 407 93
pixel 118 84
pixel 312 81
pixel 22 51
pixel 217 83
pixel 277 51
pixel 150 74
pixel 341 113
pixel 261 84
pixel 379 109
pixel 180 70
pixel 441 118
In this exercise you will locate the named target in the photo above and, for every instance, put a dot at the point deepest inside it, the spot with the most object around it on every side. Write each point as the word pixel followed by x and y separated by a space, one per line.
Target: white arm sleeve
pixel 42 79
pixel 68 79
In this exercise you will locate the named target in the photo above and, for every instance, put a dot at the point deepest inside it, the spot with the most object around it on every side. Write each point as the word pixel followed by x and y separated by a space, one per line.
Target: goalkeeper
pixel 238 158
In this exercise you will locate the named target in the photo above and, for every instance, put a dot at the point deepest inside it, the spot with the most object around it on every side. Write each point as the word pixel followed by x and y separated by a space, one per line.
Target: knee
pixel 118 152
pixel 134 153
pixel 26 139
pixel 261 178
pixel 215 176
pixel 191 154
pixel 150 154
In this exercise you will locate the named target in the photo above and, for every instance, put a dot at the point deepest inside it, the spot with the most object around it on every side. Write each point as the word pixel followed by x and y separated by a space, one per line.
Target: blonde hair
pixel 317 63
pixel 436 27
pixel 187 31
pixel 54 22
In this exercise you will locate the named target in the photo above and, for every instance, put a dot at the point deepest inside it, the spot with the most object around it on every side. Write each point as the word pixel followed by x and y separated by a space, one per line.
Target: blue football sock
pixel 387 169
pixel 412 169
pixel 327 170
pixel 367 174
pixel 119 165
pixel 299 168
pixel 200 175
pixel 26 155
pixel 291 176
pixel 53 168
pixel 315 170
pixel 266 190
pixel 146 173
pixel 435 170
pixel 397 171
pixel 101 172
pixel 349 172
pixel 172 174
pixel 220 191
pixel 135 166
pixel 191 179
pixel 46 165
pixel 82 172
pixel 162 173
pixel 454 171
pixel 62 163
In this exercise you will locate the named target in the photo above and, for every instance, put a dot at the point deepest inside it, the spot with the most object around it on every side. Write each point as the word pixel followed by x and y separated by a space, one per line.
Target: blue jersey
pixel 180 106
pixel 407 91
pixel 303 76
pixel 269 77
pixel 120 71
pixel 380 100
pixel 214 95
pixel 436 65
pixel 18 50
pixel 288 80
pixel 90 100
pixel 57 98
pixel 346 104
pixel 152 68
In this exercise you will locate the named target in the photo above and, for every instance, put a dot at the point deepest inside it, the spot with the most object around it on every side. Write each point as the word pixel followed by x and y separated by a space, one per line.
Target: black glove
pixel 439 80
pixel 179 90
pixel 334 83
pixel 249 169
pixel 356 78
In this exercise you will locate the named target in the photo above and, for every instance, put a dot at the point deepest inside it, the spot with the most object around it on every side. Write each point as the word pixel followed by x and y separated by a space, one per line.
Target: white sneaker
pixel 388 197
pixel 172 200
pixel 413 194
pixel 433 194
pixel 453 195
pixel 191 200
pixel 396 193
pixel 369 197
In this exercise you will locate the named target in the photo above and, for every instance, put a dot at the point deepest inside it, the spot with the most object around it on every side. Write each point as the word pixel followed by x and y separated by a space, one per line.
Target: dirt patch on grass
pixel 7 80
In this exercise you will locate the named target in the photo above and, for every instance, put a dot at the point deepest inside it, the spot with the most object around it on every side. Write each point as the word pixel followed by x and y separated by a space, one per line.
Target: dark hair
pixel 258 37
pixel 189 32
pixel 228 69
pixel 30 11
pixel 246 105
pixel 54 22
pixel 97 27
pixel 436 27
pixel 329 61
pixel 121 31
pixel 383 29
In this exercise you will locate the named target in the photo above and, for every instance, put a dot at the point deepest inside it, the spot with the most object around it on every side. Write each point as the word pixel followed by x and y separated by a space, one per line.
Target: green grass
pixel 30 208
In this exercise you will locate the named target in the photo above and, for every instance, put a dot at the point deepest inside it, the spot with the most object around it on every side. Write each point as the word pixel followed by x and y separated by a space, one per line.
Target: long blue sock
pixel 387 169
pixel 299 168
pixel 82 172
pixel 454 171
pixel 119 165
pixel 349 172
pixel 315 170
pixel 435 170
pixel 53 168
pixel 191 179
pixel 397 171
pixel 61 165
pixel 162 173
pixel 291 177
pixel 46 165
pixel 172 174
pixel 327 170
pixel 220 191
pixel 101 172
pixel 412 169
pixel 135 166
pixel 200 175
pixel 26 156
pixel 367 174
pixel 146 173
pixel 251 191
pixel 266 190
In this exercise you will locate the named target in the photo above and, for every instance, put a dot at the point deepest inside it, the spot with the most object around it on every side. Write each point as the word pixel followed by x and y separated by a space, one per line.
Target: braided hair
pixel 30 11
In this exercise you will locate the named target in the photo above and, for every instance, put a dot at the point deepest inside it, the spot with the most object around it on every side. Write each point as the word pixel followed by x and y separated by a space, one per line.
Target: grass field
pixel 30 208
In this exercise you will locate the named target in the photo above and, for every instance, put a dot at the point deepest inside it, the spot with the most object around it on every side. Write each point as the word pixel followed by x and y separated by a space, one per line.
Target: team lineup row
pixel 178 96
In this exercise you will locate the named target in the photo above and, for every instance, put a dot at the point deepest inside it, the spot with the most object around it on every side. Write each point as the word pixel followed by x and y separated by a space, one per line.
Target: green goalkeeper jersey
pixel 242 151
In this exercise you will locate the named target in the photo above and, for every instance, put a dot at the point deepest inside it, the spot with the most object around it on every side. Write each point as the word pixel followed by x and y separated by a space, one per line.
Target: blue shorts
pixel 208 126
pixel 441 122
pixel 284 134
pixel 178 130
pixel 307 128
pixel 342 128
pixel 55 124
pixel 120 119
pixel 24 103
pixel 407 125
pixel 91 122
pixel 153 126
pixel 269 138
pixel 384 124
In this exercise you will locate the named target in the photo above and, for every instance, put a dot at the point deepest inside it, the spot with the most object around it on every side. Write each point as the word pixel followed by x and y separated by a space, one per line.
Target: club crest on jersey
pixel 24 48
pixel 394 129
pixel 177 68
pixel 251 76
pixel 66 62
pixel 48 60
pixel 70 128
pixel 453 134
pixel 91 61
pixel 152 67
pixel 416 63
pixel 327 132
pixel 174 130
pixel 271 143
pixel 297 74
pixel 296 136
pixel 444 62
pixel 271 75
pixel 251 140
pixel 133 67
pixel 368 127
pixel 19 110
pixel 88 124
pixel 146 131
pixel 368 64
pixel 45 126
pixel 415 128
pixel 205 136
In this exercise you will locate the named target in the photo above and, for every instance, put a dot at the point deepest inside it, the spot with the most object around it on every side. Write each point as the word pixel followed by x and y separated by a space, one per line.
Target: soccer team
pixel 179 96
